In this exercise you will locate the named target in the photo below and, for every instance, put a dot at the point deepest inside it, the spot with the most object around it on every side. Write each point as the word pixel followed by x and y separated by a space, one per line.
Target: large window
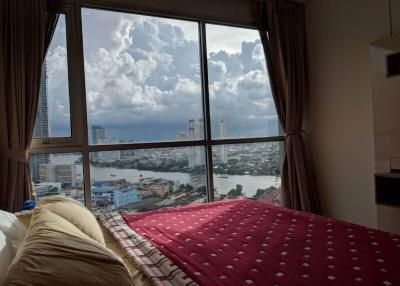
pixel 170 112
pixel 241 102
pixel 142 77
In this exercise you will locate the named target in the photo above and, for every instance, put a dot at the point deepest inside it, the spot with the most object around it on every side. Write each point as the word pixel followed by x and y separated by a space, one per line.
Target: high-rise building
pixel 191 129
pixel 41 126
pixel 222 148
pixel 98 133
pixel 99 137
pixel 199 129
pixel 42 117
pixel 195 132
pixel 221 128
pixel 61 173
pixel 191 136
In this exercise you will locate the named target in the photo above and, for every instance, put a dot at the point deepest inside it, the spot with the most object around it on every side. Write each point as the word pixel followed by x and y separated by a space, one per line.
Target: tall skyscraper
pixel 41 126
pixel 222 148
pixel 195 132
pixel 191 136
pixel 42 116
pixel 221 128
pixel 99 137
pixel 199 129
pixel 98 134
pixel 191 129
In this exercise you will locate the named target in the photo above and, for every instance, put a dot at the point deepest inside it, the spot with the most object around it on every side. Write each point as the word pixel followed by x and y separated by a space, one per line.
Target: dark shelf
pixel 387 189
pixel 393 64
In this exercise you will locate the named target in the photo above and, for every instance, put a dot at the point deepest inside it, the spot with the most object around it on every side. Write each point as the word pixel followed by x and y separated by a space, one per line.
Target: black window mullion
pixel 206 110
pixel 80 70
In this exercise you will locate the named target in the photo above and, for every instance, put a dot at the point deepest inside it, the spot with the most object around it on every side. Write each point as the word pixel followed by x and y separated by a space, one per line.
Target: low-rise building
pixel 47 189
pixel 114 196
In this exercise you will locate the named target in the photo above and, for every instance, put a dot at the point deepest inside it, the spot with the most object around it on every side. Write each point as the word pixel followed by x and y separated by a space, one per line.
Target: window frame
pixel 75 139
pixel 79 140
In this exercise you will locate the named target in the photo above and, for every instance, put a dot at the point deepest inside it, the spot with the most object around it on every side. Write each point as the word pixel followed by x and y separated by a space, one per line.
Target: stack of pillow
pixel 63 245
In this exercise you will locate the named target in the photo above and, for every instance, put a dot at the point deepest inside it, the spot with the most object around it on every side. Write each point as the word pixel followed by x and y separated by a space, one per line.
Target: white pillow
pixel 12 228
pixel 7 254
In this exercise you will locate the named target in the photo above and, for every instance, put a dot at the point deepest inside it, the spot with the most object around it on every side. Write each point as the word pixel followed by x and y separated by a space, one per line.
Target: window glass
pixel 53 111
pixel 57 174
pixel 143 84
pixel 142 78
pixel 248 170
pixel 241 103
pixel 148 179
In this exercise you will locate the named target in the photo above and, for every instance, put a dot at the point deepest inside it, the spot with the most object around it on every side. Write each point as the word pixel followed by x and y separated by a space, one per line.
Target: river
pixel 223 185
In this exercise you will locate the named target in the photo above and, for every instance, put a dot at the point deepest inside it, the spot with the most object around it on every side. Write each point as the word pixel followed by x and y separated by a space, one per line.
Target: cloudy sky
pixel 142 77
pixel 57 83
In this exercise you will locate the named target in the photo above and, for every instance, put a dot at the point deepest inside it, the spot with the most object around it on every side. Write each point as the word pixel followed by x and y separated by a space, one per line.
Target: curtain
pixel 26 29
pixel 282 29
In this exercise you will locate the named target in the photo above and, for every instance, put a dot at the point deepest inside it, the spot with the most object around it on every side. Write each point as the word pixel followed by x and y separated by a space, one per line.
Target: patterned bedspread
pixel 244 242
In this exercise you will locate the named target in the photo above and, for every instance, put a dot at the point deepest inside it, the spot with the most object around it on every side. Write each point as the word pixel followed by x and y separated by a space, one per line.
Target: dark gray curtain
pixel 282 27
pixel 26 29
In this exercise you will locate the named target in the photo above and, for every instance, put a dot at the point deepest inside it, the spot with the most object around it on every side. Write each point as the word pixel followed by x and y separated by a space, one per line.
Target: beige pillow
pixel 55 252
pixel 24 217
pixel 75 213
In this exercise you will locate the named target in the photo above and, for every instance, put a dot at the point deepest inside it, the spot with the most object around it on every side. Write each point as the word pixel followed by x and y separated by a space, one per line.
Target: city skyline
pixel 100 134
pixel 194 131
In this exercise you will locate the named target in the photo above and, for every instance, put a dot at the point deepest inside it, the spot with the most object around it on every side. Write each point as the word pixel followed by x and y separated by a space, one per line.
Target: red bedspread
pixel 244 242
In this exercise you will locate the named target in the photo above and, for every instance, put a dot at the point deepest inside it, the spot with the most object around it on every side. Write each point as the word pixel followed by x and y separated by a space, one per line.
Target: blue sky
pixel 142 77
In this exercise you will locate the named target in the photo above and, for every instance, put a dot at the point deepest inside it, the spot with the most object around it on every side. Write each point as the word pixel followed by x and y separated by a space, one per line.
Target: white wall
pixel 340 123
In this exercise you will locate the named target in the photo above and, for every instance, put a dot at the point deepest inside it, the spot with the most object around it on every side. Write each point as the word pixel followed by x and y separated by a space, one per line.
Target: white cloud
pixel 258 54
pixel 145 70
pixel 187 86
pixel 228 38
pixel 57 70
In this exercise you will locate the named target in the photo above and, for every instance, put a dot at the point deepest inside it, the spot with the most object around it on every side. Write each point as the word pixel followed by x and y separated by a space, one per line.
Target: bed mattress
pixel 244 242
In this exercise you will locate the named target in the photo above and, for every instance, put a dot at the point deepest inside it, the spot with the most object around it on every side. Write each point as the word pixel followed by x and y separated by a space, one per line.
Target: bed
pixel 245 242
pixel 137 276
